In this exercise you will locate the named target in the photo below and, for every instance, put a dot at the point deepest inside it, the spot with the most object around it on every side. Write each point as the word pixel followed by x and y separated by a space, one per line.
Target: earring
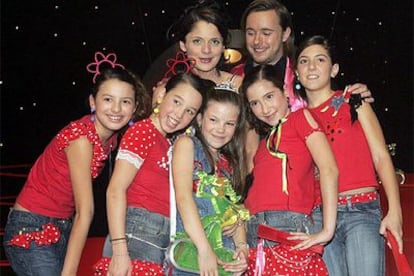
pixel 297 84
pixel 190 131
pixel 131 122
pixel 156 109
pixel 93 114
pixel 288 102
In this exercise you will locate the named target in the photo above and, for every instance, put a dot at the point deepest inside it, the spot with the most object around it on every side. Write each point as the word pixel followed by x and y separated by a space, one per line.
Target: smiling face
pixel 114 104
pixel 204 43
pixel 178 108
pixel 265 36
pixel 268 103
pixel 218 123
pixel 315 69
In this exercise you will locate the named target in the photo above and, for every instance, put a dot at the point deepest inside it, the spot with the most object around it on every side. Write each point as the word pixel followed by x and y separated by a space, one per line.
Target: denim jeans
pixel 148 235
pixel 283 220
pixel 357 247
pixel 36 260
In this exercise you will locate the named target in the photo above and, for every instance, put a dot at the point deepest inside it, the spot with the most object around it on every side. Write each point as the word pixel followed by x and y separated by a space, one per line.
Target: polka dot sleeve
pixel 72 132
pixel 86 128
pixel 137 142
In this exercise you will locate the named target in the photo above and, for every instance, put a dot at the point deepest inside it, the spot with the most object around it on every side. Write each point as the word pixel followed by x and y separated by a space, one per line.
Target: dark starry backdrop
pixel 45 46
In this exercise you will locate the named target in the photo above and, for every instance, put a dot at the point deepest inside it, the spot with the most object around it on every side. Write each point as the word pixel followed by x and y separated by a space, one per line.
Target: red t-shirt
pixel 147 149
pixel 348 143
pixel 48 189
pixel 266 192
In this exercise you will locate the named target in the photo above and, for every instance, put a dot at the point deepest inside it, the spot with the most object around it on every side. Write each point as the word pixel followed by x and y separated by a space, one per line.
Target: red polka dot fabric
pixel 139 268
pixel 48 235
pixel 77 129
pixel 280 260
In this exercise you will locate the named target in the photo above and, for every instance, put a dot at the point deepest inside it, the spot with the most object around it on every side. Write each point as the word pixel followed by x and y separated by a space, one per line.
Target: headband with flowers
pixel 180 64
pixel 100 58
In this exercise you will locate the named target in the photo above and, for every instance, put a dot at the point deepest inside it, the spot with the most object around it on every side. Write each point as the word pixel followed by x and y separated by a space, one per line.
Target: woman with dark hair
pixel 202 34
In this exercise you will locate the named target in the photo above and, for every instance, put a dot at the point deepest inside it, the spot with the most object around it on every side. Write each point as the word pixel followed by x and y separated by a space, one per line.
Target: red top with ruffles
pixel 348 143
pixel 147 149
pixel 266 192
pixel 48 189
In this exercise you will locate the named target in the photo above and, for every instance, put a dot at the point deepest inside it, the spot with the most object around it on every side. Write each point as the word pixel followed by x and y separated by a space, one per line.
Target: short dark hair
pixel 284 17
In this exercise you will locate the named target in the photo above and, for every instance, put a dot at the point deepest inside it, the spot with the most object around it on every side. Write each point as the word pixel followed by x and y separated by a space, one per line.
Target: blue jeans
pixel 357 248
pixel 149 235
pixel 36 260
pixel 283 220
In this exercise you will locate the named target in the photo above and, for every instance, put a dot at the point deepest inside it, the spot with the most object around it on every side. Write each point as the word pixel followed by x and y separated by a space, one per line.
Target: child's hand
pixel 394 224
pixel 239 266
pixel 158 92
pixel 230 230
pixel 362 89
pixel 208 263
pixel 310 240
pixel 120 266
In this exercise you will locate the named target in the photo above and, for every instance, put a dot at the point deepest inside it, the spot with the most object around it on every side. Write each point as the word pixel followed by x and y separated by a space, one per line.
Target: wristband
pixel 118 239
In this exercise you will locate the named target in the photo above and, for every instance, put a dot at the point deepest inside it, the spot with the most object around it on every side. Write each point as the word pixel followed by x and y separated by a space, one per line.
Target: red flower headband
pixel 99 59
pixel 179 64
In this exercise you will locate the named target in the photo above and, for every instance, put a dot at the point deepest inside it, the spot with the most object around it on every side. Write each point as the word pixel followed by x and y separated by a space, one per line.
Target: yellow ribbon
pixel 278 154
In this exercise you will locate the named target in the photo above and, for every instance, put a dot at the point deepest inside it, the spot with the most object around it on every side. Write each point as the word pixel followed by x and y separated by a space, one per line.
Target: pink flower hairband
pixel 100 58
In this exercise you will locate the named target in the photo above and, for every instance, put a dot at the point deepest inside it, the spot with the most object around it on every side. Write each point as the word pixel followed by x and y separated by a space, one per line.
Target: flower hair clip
pixel 180 64
pixel 100 58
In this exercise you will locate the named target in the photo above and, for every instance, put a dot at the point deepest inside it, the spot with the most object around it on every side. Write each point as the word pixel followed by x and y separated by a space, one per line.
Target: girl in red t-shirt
pixel 49 223
pixel 281 194
pixel 138 192
pixel 357 141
